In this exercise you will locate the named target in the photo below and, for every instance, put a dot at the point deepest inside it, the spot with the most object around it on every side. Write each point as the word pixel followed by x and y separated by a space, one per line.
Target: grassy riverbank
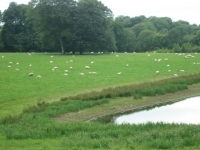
pixel 124 104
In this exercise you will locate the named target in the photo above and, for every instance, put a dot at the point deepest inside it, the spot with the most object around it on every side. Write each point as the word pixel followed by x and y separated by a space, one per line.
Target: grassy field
pixel 19 92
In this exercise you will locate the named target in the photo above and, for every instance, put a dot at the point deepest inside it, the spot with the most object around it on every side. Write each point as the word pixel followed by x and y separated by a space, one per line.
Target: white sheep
pixel 127 65
pixel 166 59
pixel 175 75
pixel 168 65
pixel 51 61
pixel 31 74
pixel 65 74
pixel 10 63
pixel 51 56
pixel 66 71
pixel 87 67
pixel 39 76
pixel 17 69
pixel 70 61
pixel 55 68
pixel 169 70
pixel 2 56
pixel 17 63
pixel 119 73
pixel 9 66
pixel 71 68
pixel 117 55
pixel 157 72
pixel 182 71
pixel 94 72
pixel 92 62
pixel 30 65
pixel 81 74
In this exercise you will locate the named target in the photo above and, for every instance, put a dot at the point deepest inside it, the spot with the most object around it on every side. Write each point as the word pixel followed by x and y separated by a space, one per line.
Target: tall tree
pixel 17 34
pixel 93 26
pixel 54 18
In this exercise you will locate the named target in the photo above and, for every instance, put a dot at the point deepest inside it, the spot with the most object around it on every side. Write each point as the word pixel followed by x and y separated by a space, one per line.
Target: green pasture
pixel 34 102
pixel 18 90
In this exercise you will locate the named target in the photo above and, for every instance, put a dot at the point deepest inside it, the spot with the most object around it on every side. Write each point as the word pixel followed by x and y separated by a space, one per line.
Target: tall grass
pixel 159 87
pixel 109 136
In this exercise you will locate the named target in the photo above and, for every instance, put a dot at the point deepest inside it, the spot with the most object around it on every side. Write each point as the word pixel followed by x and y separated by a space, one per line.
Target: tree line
pixel 89 26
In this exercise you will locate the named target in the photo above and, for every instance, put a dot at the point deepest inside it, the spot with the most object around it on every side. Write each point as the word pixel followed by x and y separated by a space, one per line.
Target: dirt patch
pixel 120 105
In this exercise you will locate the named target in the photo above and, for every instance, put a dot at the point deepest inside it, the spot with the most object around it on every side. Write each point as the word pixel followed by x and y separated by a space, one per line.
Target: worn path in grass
pixel 120 105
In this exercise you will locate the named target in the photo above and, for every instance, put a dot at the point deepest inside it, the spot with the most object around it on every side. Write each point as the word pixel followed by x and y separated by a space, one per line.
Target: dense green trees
pixel 89 26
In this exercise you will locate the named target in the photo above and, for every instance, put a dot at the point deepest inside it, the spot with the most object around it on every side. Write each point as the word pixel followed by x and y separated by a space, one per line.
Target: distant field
pixel 18 90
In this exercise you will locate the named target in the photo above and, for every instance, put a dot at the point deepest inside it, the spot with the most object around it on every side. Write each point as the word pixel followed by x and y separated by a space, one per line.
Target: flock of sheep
pixel 178 54
pixel 187 56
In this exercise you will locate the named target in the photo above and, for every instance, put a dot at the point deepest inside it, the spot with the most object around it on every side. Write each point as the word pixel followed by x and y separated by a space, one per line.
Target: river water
pixel 186 111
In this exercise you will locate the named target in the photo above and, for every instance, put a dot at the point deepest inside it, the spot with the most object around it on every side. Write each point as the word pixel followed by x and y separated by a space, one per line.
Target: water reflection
pixel 186 111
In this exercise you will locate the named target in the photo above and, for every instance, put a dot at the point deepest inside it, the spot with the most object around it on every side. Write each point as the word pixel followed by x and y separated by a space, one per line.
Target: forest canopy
pixel 89 26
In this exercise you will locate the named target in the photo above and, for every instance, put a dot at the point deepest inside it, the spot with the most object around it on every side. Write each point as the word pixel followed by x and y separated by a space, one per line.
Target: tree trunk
pixel 81 51
pixel 61 45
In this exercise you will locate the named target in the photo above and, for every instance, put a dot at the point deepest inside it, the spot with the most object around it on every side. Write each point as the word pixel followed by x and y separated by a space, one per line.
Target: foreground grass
pixel 35 124
pixel 19 91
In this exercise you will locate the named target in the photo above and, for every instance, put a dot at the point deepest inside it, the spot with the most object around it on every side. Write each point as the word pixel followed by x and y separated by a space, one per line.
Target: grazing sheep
pixel 119 73
pixel 31 74
pixel 51 56
pixel 166 59
pixel 17 69
pixel 65 74
pixel 127 65
pixel 168 65
pixel 67 62
pixel 39 76
pixel 2 56
pixel 117 55
pixel 55 68
pixel 92 62
pixel 182 71
pixel 81 74
pixel 51 61
pixel 94 72
pixel 149 55
pixel 17 63
pixel 157 72
pixel 91 52
pixel 9 66
pixel 30 65
pixel 169 70
pixel 71 61
pixel 87 67
pixel 175 75
pixel 10 63
pixel 159 60
pixel 155 60
pixel 71 68
pixel 66 70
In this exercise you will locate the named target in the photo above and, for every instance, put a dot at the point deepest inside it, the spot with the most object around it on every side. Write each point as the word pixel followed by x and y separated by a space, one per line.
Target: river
pixel 186 111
